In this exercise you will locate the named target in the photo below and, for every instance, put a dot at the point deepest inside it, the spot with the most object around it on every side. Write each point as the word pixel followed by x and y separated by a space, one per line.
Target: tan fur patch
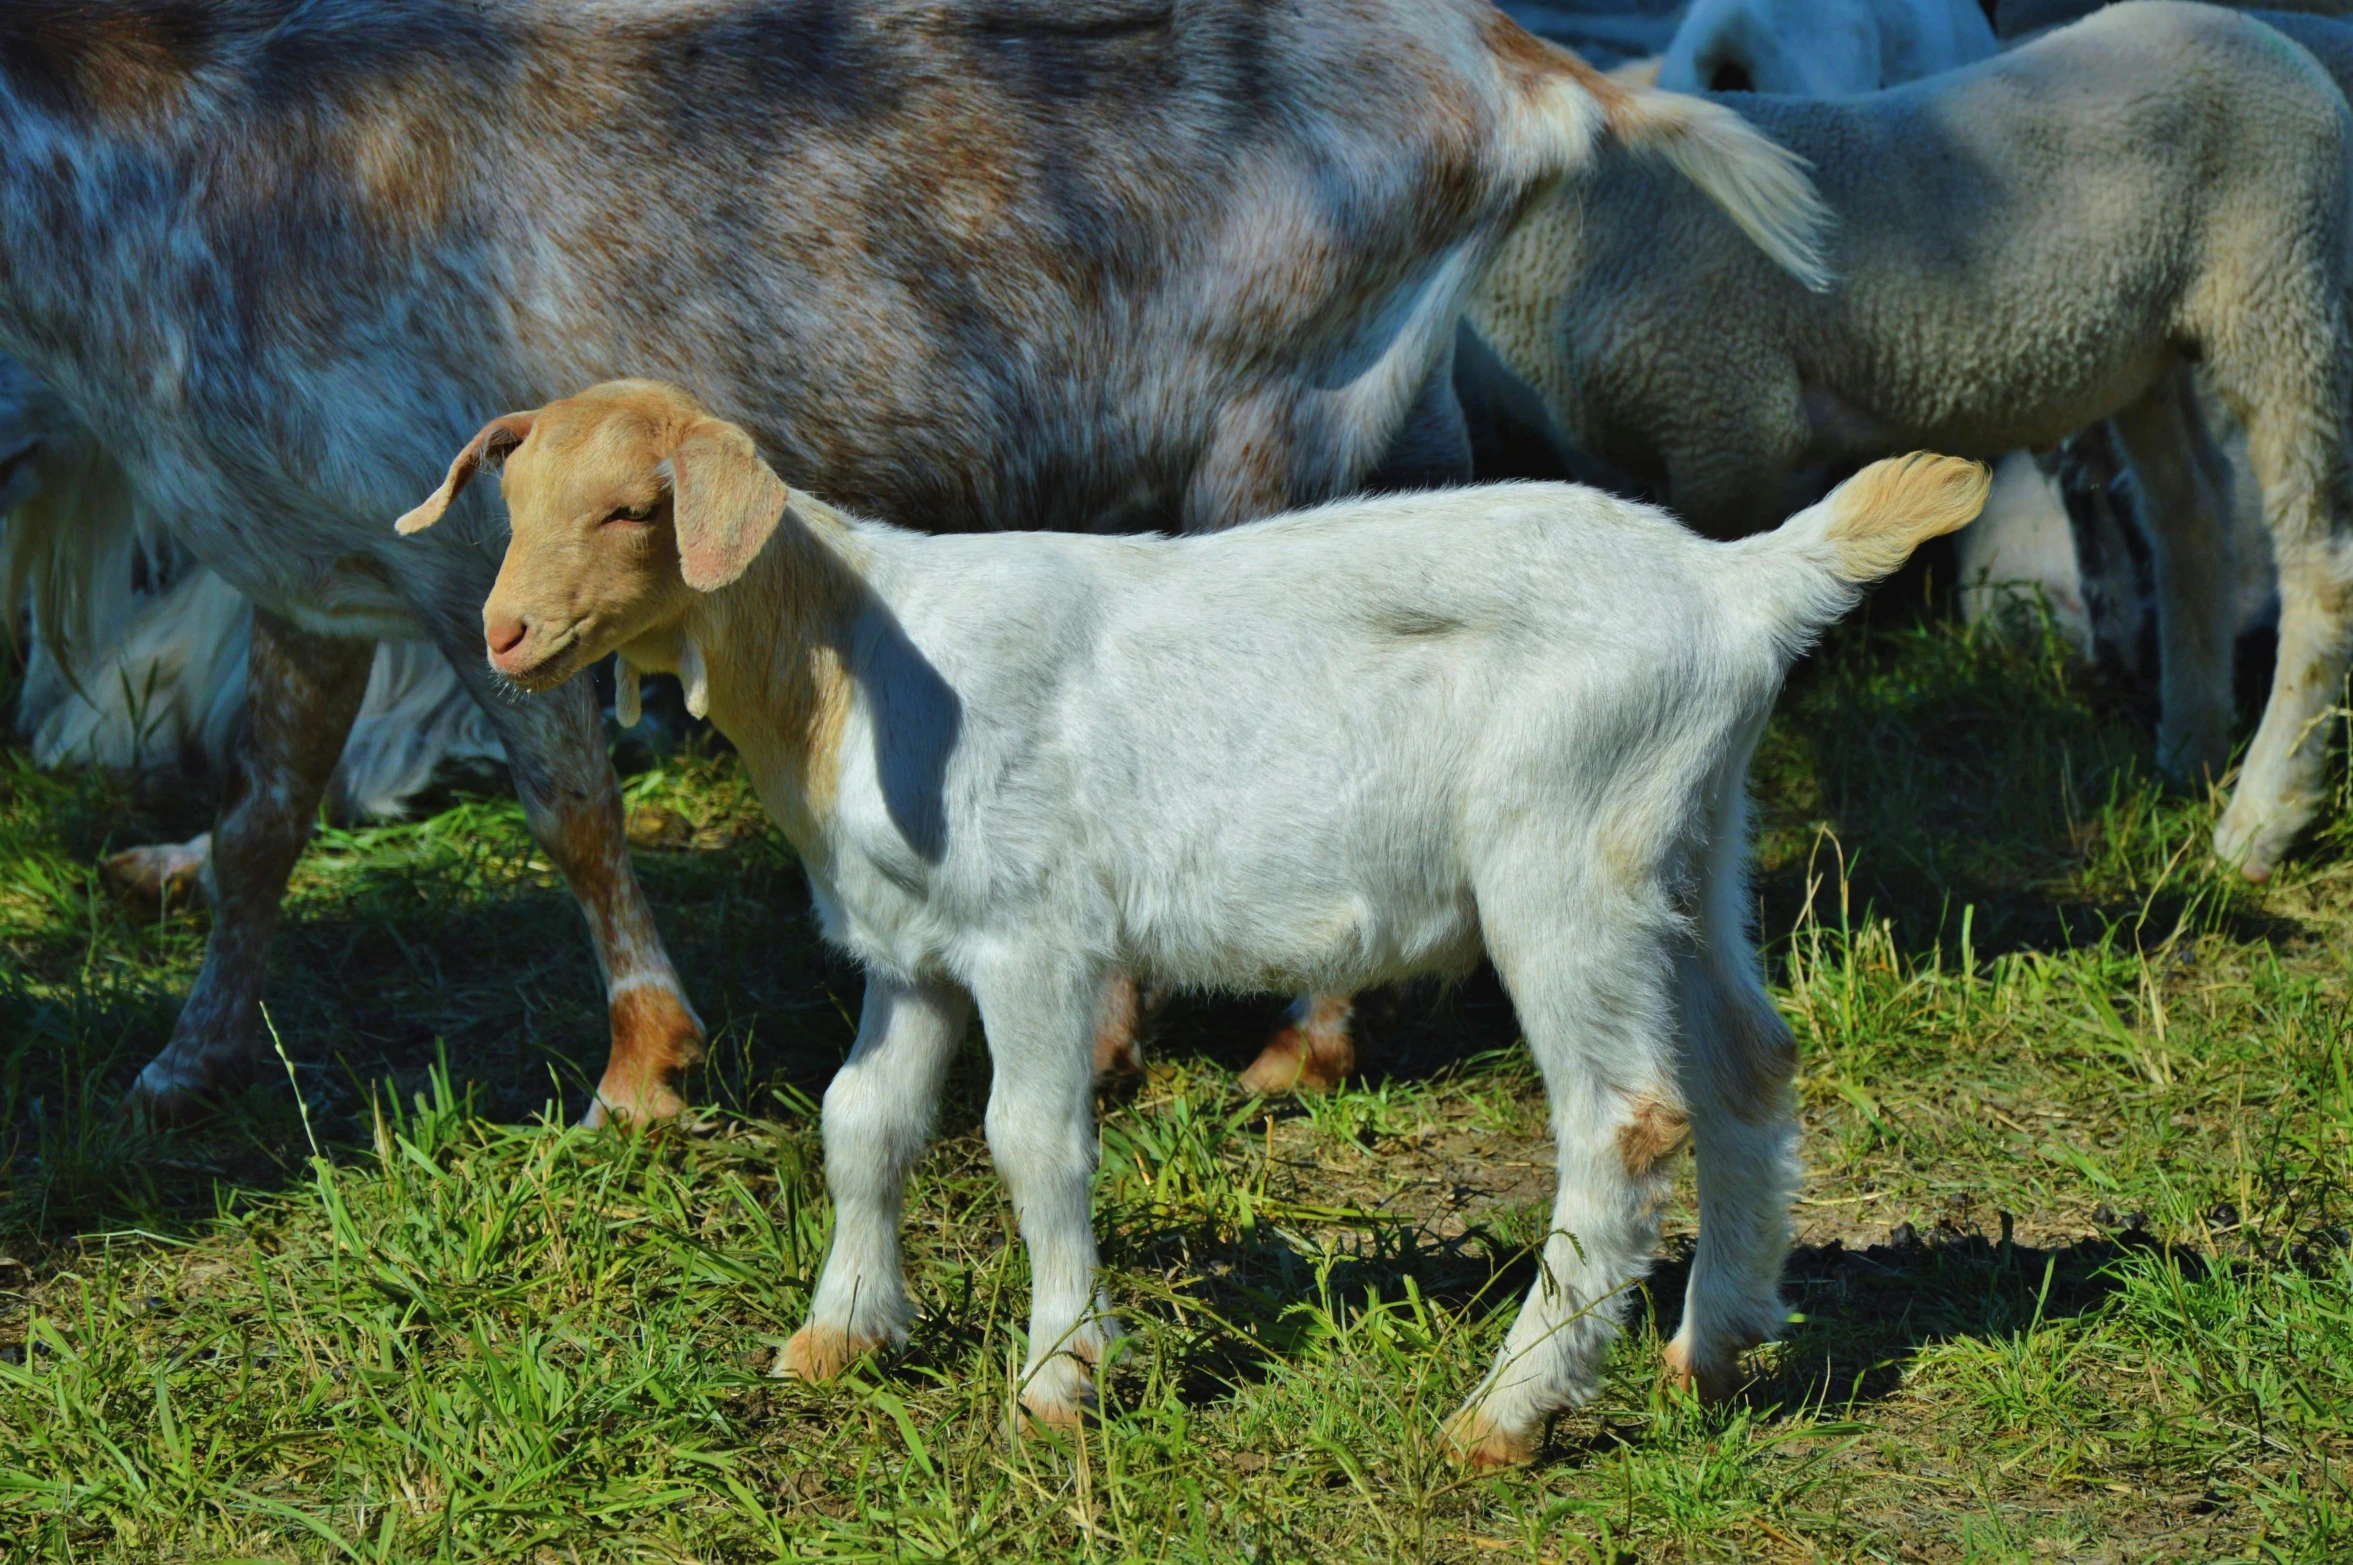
pixel 1879 516
pixel 655 1039
pixel 819 1353
pixel 1534 61
pixel 798 598
pixel 1657 1132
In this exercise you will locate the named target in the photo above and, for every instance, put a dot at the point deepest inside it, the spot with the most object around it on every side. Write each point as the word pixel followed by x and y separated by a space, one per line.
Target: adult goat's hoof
pixel 1712 1377
pixel 1315 1053
pixel 159 878
pixel 167 1093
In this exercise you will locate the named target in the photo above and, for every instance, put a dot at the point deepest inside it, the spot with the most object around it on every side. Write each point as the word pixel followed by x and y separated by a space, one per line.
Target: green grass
pixel 2071 1283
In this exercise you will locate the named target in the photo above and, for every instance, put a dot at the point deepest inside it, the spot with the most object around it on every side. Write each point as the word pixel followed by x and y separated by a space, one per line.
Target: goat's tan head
pixel 624 502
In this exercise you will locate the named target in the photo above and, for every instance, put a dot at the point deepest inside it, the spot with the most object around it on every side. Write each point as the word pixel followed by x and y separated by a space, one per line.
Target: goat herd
pixel 1022 279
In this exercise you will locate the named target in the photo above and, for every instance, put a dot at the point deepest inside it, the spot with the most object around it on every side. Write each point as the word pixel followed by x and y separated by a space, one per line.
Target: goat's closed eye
pixel 632 513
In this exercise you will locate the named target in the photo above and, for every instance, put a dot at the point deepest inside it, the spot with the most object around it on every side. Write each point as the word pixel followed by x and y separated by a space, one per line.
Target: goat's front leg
pixel 1040 1018
pixel 573 804
pixel 555 746
pixel 878 1119
pixel 303 692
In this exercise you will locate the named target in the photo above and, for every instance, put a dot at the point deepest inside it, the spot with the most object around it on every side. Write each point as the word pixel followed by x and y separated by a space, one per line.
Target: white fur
pixel 1338 748
pixel 151 673
pixel 1822 48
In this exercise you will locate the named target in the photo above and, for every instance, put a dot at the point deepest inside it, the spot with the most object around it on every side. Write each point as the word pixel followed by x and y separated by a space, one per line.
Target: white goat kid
pixel 1821 48
pixel 1337 748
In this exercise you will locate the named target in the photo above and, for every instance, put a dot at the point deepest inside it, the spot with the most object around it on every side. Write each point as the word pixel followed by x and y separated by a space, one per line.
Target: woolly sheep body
pixel 2025 247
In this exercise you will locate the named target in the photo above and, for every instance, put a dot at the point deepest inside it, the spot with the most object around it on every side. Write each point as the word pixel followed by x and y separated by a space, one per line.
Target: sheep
pixel 1342 747
pixel 2021 21
pixel 2026 246
pixel 1821 48
pixel 1080 262
pixel 2024 539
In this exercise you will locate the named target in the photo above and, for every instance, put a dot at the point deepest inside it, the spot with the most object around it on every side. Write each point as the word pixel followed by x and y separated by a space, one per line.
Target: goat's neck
pixel 774 654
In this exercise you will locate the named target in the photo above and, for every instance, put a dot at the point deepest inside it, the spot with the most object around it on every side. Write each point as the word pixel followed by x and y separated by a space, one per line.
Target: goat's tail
pixel 1864 529
pixel 1761 185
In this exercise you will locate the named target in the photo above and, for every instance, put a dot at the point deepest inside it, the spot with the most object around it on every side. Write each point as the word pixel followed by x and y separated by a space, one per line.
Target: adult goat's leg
pixel 878 1117
pixel 555 744
pixel 302 692
pixel 2172 458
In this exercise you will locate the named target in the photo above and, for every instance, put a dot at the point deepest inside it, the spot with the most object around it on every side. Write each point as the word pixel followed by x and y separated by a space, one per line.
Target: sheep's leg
pixel 1587 970
pixel 2172 458
pixel 2305 502
pixel 878 1117
pixel 304 691
pixel 1040 1019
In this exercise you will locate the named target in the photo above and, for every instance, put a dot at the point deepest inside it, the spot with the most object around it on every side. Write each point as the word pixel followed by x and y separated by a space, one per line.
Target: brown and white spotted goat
pixel 1081 263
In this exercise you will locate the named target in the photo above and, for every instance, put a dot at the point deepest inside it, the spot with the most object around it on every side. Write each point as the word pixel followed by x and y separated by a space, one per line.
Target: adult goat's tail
pixel 1761 185
pixel 1811 570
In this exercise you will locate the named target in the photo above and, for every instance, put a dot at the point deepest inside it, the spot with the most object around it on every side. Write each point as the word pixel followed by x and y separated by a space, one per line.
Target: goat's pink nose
pixel 504 635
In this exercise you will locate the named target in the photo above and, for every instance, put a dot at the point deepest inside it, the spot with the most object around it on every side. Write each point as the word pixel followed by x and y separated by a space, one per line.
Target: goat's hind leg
pixel 303 692
pixel 1587 967
pixel 878 1118
pixel 1738 1061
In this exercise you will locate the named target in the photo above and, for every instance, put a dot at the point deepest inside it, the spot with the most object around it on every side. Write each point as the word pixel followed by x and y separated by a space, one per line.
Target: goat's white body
pixel 1377 693
pixel 1332 749
pixel 1824 48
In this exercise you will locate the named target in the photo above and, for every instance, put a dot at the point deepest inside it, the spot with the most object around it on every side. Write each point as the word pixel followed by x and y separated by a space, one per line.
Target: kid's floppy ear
pixel 726 503
pixel 497 438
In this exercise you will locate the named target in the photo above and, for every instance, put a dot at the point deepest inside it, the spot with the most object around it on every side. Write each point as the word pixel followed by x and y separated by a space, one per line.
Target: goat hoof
pixel 1478 1441
pixel 2255 847
pixel 656 1039
pixel 159 878
pixel 1712 1377
pixel 1317 1054
pixel 819 1353
pixel 166 1093
pixel 632 1109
